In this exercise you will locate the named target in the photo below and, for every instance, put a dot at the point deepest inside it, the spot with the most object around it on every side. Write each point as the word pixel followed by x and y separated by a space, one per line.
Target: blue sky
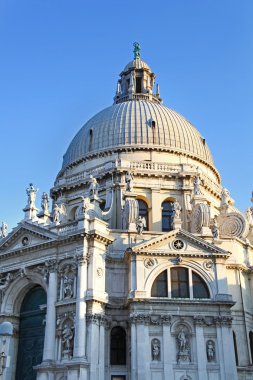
pixel 59 66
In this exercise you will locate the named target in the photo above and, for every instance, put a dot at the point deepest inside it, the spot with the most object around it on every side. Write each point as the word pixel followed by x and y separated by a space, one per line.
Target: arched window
pixel 184 283
pixel 143 211
pixel 118 346
pixel 179 283
pixel 159 287
pixel 235 348
pixel 200 290
pixel 167 215
pixel 251 345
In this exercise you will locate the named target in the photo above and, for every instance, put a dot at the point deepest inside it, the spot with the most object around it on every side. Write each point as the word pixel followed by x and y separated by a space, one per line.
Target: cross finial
pixel 137 49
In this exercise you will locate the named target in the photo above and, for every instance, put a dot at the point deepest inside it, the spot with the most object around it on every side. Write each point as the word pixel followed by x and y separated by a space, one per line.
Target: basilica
pixel 137 265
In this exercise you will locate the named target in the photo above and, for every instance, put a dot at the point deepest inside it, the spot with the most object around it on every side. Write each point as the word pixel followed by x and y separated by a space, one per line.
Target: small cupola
pixel 136 81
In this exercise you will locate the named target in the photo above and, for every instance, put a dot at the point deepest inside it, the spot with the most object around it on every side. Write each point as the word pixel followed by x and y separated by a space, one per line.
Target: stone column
pixel 80 322
pixel 156 210
pixel 201 349
pixel 50 331
pixel 169 354
pixel 221 276
pixel 228 350
pixel 219 348
pixel 133 350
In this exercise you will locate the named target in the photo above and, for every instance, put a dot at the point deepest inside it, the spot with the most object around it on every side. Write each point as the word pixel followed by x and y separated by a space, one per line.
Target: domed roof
pixel 137 124
pixel 137 64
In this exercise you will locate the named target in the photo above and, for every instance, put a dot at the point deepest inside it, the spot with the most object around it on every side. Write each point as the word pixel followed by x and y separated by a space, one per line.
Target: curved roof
pixel 137 124
pixel 137 64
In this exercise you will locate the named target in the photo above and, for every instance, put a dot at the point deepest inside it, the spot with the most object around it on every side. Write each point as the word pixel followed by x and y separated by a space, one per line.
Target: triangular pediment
pixel 26 235
pixel 179 242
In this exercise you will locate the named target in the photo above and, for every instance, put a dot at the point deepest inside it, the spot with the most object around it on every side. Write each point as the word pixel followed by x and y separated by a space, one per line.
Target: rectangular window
pixel 179 283
pixel 138 85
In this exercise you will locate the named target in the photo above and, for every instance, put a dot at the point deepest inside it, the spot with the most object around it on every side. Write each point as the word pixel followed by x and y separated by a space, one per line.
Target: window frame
pixel 190 284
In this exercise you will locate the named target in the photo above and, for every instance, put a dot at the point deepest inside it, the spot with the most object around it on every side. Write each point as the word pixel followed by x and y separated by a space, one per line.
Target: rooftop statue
pixel 137 49
pixel 31 192
pixel 4 229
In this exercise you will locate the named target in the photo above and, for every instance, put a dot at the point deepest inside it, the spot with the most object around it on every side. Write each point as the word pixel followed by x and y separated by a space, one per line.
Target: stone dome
pixel 137 124
pixel 137 64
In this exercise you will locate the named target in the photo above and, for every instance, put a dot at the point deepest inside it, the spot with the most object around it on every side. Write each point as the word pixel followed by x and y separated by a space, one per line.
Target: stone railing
pixel 68 228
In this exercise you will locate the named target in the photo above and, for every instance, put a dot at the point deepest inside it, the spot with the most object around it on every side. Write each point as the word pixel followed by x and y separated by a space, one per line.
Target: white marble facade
pixel 145 262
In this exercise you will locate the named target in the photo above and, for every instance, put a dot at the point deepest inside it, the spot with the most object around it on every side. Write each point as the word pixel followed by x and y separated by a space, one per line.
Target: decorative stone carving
pixel 4 229
pixel 100 272
pixel 3 358
pixel 200 218
pixel 208 265
pixel 183 344
pixel 233 225
pixel 5 280
pixel 140 225
pixel 178 244
pixel 93 187
pixel 49 266
pixel 148 319
pixel 98 319
pixel 210 350
pixel 150 263
pixel 176 215
pixel 129 181
pixel 155 349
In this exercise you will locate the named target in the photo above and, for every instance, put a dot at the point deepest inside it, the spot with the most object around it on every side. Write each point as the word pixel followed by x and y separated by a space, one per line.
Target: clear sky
pixel 59 65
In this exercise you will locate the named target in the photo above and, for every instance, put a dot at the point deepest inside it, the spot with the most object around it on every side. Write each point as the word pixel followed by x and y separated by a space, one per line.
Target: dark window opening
pixel 118 346
pixel 138 85
pixel 160 286
pixel 251 345
pixel 153 123
pixel 235 348
pixel 200 289
pixel 179 283
pixel 167 215
pixel 143 212
pixel 90 139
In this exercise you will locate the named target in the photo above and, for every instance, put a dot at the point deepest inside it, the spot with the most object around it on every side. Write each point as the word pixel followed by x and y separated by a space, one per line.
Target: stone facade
pixel 144 260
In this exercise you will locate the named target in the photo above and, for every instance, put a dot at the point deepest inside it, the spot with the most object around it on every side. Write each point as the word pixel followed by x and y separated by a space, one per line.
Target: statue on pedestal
pixel 93 188
pixel 44 202
pixel 31 192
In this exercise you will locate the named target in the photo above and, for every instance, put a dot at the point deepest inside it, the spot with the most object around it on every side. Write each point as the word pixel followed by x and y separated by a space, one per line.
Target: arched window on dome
pixel 180 282
pixel 143 212
pixel 167 215
pixel 118 346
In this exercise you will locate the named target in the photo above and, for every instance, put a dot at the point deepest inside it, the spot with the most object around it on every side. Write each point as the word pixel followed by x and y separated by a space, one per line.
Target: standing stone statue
pixel 182 341
pixel 155 346
pixel 210 350
pixel 140 225
pixel 129 181
pixel 67 336
pixel 249 215
pixel 56 214
pixel 31 192
pixel 93 188
pixel 68 286
pixel 224 196
pixel 44 202
pixel 177 209
pixel 4 229
pixel 197 183
pixel 214 228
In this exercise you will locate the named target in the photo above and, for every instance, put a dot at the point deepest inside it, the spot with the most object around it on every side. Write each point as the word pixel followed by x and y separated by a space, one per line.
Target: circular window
pixel 178 244
pixel 25 241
